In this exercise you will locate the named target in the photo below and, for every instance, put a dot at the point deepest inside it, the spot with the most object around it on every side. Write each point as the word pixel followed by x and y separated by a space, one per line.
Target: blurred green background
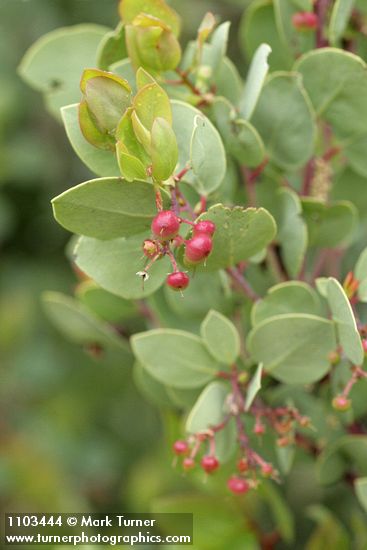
pixel 75 434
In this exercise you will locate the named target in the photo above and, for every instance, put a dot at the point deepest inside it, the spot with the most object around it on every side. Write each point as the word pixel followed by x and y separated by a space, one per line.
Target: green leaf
pixel 254 387
pixel 52 66
pixel 101 139
pixel 218 42
pixel 114 265
pixel 346 452
pixel 241 138
pixel 174 357
pixel 206 27
pixel 292 232
pixel 280 510
pixel 340 15
pixel 328 225
pixel 210 408
pixel 152 45
pixel 102 163
pixel 220 337
pixel 351 186
pixel 330 532
pixel 285 120
pixel 240 234
pixel 184 117
pixel 131 167
pixel 258 22
pixel 360 486
pixel 78 324
pixel 106 208
pixel 217 522
pixel 129 9
pixel 294 348
pixel 130 133
pixel 105 305
pixel 152 390
pixel 112 48
pixel 143 78
pixel 152 102
pixel 107 96
pixel 360 273
pixel 125 69
pixel 346 324
pixel 255 80
pixel 284 298
pixel 208 169
pixel 336 82
pixel 206 290
pixel 164 150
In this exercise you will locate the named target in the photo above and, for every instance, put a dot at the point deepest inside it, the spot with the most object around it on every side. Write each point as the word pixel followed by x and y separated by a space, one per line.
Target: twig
pixel 242 283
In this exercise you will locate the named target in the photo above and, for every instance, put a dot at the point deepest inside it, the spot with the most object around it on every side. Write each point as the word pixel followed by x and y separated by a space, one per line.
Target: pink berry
pixel 166 225
pixel 188 463
pixel 259 429
pixel 205 226
pixel 150 248
pixel 341 403
pixel 209 463
pixel 180 447
pixel 178 280
pixel 364 344
pixel 238 485
pixel 198 248
pixel 305 21
pixel 267 470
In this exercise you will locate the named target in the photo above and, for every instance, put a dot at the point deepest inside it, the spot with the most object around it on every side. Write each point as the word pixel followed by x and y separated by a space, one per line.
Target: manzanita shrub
pixel 222 243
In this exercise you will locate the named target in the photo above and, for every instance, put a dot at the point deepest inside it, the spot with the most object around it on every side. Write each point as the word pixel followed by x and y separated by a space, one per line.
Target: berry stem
pixel 181 174
pixel 242 283
pixel 172 258
pixel 321 8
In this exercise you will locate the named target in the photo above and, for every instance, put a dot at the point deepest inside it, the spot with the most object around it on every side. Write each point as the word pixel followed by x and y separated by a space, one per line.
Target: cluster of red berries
pixel 237 483
pixel 165 229
pixel 305 21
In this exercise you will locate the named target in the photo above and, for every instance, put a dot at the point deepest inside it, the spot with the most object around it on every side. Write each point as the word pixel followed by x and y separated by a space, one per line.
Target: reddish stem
pixel 242 283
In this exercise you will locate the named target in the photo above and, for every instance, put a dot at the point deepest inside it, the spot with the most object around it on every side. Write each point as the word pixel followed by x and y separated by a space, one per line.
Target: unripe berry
pixel 305 21
pixel 238 485
pixel 242 465
pixel 180 447
pixel 209 463
pixel 188 463
pixel 341 403
pixel 150 248
pixel 166 225
pixel 205 226
pixel 178 280
pixel 198 248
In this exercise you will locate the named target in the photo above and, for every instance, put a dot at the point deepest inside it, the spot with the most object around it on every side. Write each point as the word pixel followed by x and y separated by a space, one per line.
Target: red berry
pixel 238 485
pixel 364 344
pixel 166 225
pixel 259 429
pixel 198 248
pixel 209 463
pixel 305 21
pixel 178 280
pixel 242 465
pixel 205 226
pixel 150 248
pixel 341 403
pixel 267 470
pixel 188 463
pixel 180 447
